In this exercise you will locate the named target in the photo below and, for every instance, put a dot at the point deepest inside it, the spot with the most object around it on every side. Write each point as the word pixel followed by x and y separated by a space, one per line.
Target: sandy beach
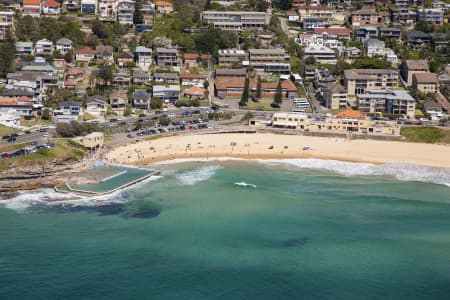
pixel 276 146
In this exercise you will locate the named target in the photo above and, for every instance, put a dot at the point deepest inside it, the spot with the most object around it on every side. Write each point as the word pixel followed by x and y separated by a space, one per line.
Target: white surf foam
pixel 245 184
pixel 187 160
pixel 25 199
pixel 197 175
pixel 399 171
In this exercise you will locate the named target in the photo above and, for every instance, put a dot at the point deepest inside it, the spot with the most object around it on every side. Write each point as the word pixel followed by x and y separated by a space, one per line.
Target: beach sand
pixel 277 146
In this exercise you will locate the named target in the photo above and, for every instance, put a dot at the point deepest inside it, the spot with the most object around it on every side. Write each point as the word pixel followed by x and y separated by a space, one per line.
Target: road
pixel 311 93
pixel 34 136
pixel 285 26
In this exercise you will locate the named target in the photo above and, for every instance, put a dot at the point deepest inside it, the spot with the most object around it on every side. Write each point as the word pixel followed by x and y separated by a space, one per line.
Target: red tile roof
pixel 338 31
pixel 85 51
pixel 191 56
pixel 163 3
pixel 52 3
pixel 193 76
pixel 31 2
pixel 351 114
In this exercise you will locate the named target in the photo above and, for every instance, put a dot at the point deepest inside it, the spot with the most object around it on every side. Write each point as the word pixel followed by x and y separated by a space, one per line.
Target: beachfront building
pixel 397 102
pixel 92 141
pixel 357 81
pixel 231 56
pixel 426 83
pixel 333 125
pixel 410 67
pixel 335 96
pixel 235 20
pixel 6 23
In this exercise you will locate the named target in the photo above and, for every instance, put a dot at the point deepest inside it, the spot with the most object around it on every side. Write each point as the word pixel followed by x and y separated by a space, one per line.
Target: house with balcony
pixel 426 83
pixel 338 33
pixel 235 20
pixel 167 94
pixel 404 16
pixel 125 11
pixel 311 23
pixel 122 78
pixel 165 78
pixel 118 100
pixel 32 8
pixel 391 33
pixel 96 106
pixel 335 96
pixel 397 102
pixel 107 10
pixel 85 54
pixel 141 99
pixel 24 48
pixel 365 33
pixel 167 57
pixel 358 81
pixel 51 7
pixel 323 55
pixel 433 16
pixel 259 58
pixel 418 39
pixel 68 111
pixel 88 7
pixel 6 23
pixel 231 56
pixel 63 45
pixel 43 47
pixel 124 58
pixel 410 67
pixel 71 6
pixel 143 57
pixel 164 7
pixel 365 17
pixel 104 54
pixel 190 79
pixel 141 78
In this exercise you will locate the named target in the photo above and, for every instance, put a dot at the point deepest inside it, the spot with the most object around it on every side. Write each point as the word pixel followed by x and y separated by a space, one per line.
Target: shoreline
pixel 275 146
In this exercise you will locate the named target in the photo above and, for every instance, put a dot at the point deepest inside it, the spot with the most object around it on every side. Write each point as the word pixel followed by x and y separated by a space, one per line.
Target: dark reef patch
pixel 296 242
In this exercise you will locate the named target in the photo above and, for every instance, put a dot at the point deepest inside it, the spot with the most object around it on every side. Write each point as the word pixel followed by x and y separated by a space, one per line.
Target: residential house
pixel 51 7
pixel 322 76
pixel 404 16
pixel 232 56
pixel 195 92
pixel 63 45
pixel 331 15
pixel 104 54
pixel 410 67
pixel 124 58
pixel 391 33
pixel 230 73
pixel 141 99
pixel 352 52
pixel 339 33
pixel 24 48
pixel 60 64
pixel 167 57
pixel 141 78
pixel 96 106
pixel 88 7
pixel 308 39
pixel 85 54
pixel 433 16
pixel 43 47
pixel 235 20
pixel 189 79
pixel 435 110
pixel 234 87
pixel 17 106
pixel 277 68
pixel 193 59
pixel 166 78
pixel 164 7
pixel 259 58
pixel 358 81
pixel 323 55
pixel 125 11
pixel 426 83
pixel 71 5
pixel 418 39
pixel 364 17
pixel 375 47
pixel 75 75
pixel 397 102
pixel 143 57
pixel 6 23
pixel 335 96
pixel 293 16
pixel 31 8
pixel 68 111
pixel 311 23
pixel 118 101
pixel 122 78
pixel 365 33
pixel 107 10
pixel 167 94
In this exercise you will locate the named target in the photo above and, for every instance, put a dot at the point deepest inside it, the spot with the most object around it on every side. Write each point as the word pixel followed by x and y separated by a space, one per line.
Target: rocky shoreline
pixel 36 174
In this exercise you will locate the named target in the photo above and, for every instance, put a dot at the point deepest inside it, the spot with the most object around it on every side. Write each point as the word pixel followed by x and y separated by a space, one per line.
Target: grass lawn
pixel 260 105
pixel 426 134
pixel 5 130
pixel 35 122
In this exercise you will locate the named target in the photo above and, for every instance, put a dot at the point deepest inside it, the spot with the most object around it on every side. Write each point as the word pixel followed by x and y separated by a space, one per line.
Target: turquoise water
pixel 117 181
pixel 234 230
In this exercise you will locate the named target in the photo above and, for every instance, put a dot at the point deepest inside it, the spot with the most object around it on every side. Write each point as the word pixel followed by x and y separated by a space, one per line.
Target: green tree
pixel 46 114
pixel 7 55
pixel 245 93
pixel 278 95
pixel 258 88
pixel 128 111
pixel 156 103
pixel 105 73
pixel 310 60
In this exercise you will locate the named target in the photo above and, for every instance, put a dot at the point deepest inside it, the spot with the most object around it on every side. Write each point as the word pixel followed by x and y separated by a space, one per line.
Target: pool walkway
pixel 119 177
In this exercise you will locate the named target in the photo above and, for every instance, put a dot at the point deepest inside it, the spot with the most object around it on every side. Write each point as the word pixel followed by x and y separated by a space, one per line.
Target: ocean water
pixel 295 229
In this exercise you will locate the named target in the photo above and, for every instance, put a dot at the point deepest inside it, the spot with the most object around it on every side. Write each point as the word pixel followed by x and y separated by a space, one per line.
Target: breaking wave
pixel 399 171
pixel 245 184
pixel 197 175
pixel 26 199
